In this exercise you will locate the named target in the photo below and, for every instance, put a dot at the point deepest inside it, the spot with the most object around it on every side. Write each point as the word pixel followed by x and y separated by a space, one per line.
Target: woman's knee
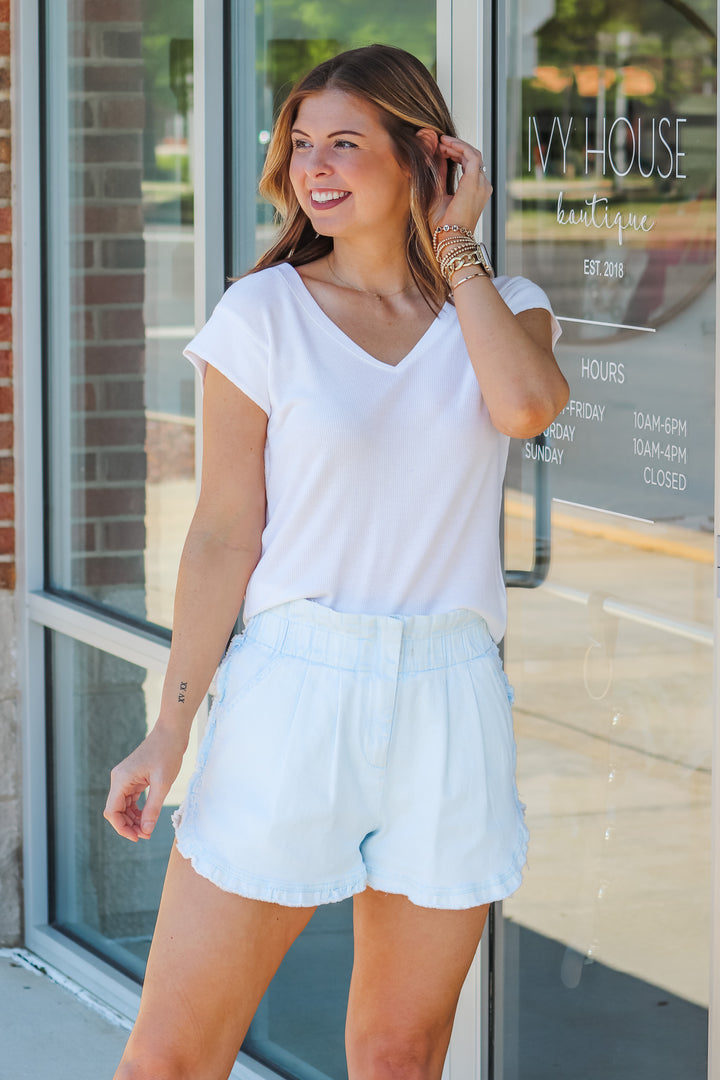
pixel 395 1055
pixel 153 1063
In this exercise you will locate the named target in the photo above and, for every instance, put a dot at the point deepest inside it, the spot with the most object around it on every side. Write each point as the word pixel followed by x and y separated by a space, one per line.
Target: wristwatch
pixel 484 258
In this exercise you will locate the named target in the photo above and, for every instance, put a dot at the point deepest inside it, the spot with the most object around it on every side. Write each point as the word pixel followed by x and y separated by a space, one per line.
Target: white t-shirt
pixel 383 483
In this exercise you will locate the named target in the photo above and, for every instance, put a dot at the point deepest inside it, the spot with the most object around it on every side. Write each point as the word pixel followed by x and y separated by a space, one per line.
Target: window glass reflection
pixel 106 890
pixel 610 206
pixel 120 298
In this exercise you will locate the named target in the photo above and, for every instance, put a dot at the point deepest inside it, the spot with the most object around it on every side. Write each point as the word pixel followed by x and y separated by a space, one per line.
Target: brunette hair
pixel 408 98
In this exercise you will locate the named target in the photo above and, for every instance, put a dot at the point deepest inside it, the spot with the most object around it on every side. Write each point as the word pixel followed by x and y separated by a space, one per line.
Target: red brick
pixel 7 540
pixel 123 536
pixel 5 115
pixel 122 44
pixel 5 292
pixel 125 183
pixel 109 219
pixel 5 220
pixel 7 575
pixel 5 151
pixel 84 397
pixel 84 468
pixel 109 502
pixel 4 11
pixel 106 149
pixel 113 288
pixel 6 434
pixel 5 183
pixel 128 395
pixel 113 10
pixel 124 253
pixel 82 325
pixel 123 465
pixel 4 42
pixel 81 114
pixel 110 570
pixel 122 324
pixel 114 431
pixel 7 506
pixel 79 42
pixel 7 470
pixel 114 359
pixel 83 537
pixel 6 400
pixel 5 256
pixel 127 112
pixel 6 363
pixel 123 77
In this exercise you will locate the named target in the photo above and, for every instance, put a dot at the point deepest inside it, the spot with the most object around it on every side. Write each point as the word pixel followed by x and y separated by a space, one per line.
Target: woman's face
pixel 343 167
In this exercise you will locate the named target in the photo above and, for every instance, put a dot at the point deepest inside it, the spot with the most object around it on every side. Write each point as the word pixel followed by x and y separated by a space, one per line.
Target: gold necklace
pixel 367 292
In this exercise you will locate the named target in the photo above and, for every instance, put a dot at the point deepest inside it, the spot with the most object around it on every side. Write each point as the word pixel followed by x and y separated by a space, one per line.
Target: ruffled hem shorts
pixel 348 750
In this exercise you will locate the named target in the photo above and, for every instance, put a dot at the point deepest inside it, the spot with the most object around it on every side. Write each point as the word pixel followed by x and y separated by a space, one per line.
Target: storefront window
pixel 106 890
pixel 610 204
pixel 120 238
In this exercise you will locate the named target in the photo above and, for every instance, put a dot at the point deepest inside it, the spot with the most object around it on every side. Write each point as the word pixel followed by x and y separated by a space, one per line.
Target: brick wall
pixel 107 352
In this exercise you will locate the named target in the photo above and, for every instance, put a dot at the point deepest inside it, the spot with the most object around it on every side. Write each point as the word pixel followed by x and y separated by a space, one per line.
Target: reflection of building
pixel 127 195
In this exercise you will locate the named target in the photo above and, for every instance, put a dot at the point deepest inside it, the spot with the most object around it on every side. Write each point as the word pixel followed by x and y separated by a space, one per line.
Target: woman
pixel 356 427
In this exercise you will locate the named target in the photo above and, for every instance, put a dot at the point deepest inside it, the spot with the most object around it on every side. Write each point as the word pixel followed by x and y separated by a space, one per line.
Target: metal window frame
pixel 714 1008
pixel 37 610
pixel 465 53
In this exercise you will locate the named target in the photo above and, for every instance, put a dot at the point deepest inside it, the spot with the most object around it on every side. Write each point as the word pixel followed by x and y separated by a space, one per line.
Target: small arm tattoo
pixel 183 688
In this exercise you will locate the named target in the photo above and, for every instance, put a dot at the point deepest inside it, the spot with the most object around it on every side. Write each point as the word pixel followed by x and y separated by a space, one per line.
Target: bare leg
pixel 212 957
pixel 410 964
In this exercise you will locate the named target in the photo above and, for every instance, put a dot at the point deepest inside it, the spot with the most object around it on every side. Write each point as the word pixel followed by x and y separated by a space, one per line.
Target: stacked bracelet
pixel 456 248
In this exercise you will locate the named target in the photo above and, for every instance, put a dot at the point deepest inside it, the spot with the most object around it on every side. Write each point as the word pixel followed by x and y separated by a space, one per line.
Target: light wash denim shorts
pixel 348 750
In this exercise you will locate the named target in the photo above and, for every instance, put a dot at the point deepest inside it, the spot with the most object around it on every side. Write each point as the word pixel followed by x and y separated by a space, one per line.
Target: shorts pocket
pixel 246 664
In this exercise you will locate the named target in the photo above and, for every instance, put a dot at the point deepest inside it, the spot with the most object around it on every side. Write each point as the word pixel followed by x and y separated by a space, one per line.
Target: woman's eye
pixel 345 144
pixel 300 144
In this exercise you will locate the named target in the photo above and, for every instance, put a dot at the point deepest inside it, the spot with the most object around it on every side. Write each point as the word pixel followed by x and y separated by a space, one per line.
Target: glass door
pixel 609 203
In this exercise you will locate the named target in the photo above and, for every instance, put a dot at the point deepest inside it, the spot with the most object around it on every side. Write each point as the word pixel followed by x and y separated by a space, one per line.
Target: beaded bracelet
pixel 451 228
pixel 457 246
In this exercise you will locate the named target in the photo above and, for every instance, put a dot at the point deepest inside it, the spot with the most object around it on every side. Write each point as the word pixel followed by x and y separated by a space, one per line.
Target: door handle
pixel 536 575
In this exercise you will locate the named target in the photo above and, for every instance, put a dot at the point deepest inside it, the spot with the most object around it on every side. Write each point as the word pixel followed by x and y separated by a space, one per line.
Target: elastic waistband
pixel 360 642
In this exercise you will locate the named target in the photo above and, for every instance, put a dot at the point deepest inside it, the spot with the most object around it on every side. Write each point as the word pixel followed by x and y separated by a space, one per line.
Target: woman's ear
pixel 430 139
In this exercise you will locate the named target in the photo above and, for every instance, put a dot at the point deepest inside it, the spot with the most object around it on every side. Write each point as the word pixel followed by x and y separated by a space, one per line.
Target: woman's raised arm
pixel 512 355
pixel 221 551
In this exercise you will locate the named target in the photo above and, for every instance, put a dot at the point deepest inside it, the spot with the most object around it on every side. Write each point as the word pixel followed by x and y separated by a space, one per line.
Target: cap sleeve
pixel 521 294
pixel 229 342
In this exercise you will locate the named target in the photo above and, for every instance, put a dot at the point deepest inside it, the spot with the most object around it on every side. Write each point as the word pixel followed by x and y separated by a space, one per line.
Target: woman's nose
pixel 316 163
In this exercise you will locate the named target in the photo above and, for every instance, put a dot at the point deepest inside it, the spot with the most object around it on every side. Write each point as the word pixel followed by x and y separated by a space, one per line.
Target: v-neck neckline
pixel 313 309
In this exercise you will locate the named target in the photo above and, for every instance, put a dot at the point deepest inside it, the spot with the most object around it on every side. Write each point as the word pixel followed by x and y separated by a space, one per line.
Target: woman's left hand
pixel 473 190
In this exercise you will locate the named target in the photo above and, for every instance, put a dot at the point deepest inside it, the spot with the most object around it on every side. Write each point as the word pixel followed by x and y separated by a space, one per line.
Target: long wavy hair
pixel 407 98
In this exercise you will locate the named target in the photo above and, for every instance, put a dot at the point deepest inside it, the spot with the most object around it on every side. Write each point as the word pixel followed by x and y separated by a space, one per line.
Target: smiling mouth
pixel 323 199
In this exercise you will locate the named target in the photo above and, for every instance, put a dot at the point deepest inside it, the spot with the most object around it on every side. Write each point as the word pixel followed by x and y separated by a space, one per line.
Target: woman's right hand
pixel 153 766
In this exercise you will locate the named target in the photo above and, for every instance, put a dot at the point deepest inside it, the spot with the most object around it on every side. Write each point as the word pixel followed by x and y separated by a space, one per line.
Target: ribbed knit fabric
pixel 383 483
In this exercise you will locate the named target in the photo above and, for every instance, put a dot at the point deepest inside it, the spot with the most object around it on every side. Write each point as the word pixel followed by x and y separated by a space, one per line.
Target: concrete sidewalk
pixel 52 1029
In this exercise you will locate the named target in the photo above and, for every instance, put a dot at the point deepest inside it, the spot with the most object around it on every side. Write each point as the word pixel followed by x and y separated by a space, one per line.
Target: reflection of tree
pixel 302 34
pixel 165 22
pixel 632 58
pixel 576 24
